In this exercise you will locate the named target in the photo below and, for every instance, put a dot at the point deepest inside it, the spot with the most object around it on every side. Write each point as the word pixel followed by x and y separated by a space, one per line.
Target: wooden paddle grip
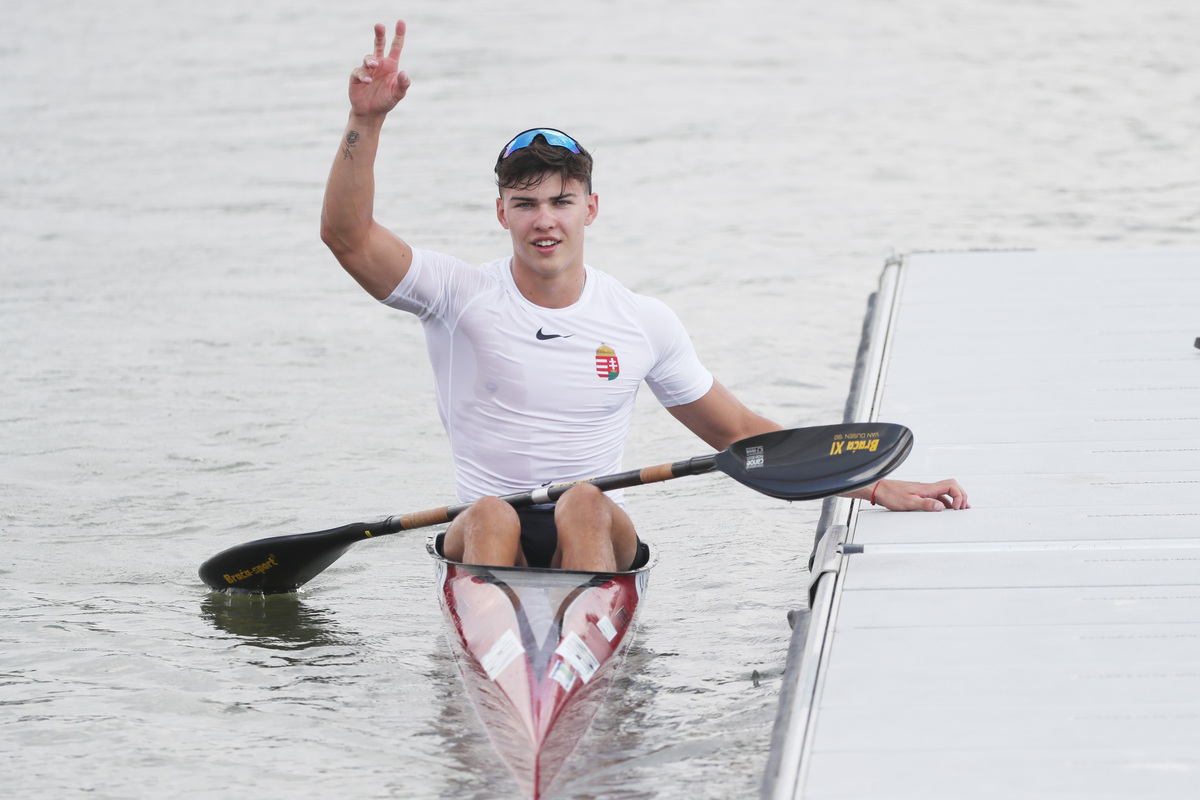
pixel 423 519
pixel 662 472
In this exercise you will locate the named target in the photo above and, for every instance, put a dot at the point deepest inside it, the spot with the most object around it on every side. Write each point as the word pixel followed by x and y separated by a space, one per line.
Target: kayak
pixel 538 650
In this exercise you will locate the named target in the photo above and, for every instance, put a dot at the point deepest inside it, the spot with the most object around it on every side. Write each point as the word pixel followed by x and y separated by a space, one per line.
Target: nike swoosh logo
pixel 546 336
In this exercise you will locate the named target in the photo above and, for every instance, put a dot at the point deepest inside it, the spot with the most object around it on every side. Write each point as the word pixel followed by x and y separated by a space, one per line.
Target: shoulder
pixel 613 291
pixel 496 269
pixel 453 268
pixel 649 318
pixel 439 262
pixel 435 279
pixel 651 314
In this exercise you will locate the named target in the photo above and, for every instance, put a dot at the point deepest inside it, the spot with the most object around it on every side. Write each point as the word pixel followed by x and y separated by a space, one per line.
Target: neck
pixel 550 291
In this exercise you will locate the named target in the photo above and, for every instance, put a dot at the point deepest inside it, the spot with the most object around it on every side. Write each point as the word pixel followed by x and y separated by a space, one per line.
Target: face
pixel 546 223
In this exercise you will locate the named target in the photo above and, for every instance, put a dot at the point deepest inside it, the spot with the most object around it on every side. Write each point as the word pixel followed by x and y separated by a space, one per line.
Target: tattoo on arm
pixel 351 140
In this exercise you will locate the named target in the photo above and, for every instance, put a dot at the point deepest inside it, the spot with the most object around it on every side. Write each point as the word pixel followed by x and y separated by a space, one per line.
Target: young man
pixel 538 356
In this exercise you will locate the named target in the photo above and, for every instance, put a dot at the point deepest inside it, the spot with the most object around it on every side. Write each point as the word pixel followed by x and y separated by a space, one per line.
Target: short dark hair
pixel 528 167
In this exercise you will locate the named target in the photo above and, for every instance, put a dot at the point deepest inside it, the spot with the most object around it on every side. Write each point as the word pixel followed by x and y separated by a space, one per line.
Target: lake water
pixel 185 367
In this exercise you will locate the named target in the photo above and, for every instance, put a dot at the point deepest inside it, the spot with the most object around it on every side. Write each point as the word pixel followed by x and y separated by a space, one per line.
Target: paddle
pixel 797 464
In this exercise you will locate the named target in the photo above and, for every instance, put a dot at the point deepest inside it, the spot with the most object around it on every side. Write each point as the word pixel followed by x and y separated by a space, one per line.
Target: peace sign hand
pixel 378 85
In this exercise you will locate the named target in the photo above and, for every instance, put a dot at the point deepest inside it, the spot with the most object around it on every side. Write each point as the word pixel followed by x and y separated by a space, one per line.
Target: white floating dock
pixel 1045 643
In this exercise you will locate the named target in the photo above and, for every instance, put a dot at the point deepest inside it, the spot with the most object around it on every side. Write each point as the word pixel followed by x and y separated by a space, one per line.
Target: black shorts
pixel 539 537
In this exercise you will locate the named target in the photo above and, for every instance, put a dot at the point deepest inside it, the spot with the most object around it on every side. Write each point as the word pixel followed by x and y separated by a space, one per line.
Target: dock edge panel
pixel 791 738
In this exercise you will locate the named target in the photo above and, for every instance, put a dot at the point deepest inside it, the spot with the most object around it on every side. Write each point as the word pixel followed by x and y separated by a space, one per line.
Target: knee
pixel 582 498
pixel 486 533
pixel 493 513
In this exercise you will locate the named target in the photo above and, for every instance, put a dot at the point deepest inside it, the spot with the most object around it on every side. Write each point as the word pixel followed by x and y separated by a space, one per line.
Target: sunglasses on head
pixel 552 137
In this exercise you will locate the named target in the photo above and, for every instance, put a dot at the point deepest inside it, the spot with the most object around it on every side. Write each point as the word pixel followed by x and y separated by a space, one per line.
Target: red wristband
pixel 874 490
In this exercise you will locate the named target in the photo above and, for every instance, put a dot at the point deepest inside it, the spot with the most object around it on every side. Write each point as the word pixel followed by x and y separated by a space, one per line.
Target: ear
pixel 500 212
pixel 593 208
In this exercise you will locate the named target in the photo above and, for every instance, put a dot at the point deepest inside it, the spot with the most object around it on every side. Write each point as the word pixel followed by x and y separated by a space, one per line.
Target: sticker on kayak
pixel 606 627
pixel 502 653
pixel 576 653
pixel 563 675
pixel 623 617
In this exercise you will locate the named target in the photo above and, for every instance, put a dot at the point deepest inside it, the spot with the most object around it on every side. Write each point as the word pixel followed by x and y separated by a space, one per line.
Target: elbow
pixel 329 233
pixel 335 238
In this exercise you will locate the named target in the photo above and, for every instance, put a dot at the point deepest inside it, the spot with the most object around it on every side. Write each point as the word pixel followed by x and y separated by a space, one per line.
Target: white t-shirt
pixel 533 396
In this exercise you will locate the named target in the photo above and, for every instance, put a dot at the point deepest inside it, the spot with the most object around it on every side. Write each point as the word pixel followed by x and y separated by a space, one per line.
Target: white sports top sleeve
pixel 533 396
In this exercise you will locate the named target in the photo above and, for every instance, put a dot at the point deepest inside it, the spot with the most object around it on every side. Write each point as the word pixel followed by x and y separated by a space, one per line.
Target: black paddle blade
pixel 811 463
pixel 280 563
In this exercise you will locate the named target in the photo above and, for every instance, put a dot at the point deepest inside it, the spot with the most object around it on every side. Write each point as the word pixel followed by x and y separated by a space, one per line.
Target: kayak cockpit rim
pixel 646 559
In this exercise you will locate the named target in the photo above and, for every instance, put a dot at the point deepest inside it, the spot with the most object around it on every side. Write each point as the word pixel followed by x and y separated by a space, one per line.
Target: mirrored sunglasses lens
pixel 521 141
pixel 552 137
pixel 561 140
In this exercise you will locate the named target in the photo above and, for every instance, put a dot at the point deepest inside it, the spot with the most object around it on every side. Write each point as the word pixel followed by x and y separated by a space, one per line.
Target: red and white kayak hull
pixel 538 650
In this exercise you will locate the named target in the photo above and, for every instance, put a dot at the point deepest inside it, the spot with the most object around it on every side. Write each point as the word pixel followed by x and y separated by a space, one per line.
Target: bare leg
pixel 486 533
pixel 594 533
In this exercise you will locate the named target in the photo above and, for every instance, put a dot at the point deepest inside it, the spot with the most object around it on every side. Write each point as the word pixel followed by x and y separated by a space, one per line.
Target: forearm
pixel 373 255
pixel 749 424
pixel 348 211
pixel 720 419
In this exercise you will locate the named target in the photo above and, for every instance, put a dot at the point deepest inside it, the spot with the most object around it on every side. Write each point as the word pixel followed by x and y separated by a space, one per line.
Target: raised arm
pixel 374 256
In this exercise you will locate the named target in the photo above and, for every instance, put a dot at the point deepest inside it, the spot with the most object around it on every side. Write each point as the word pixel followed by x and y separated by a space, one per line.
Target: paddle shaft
pixel 798 464
pixel 549 494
